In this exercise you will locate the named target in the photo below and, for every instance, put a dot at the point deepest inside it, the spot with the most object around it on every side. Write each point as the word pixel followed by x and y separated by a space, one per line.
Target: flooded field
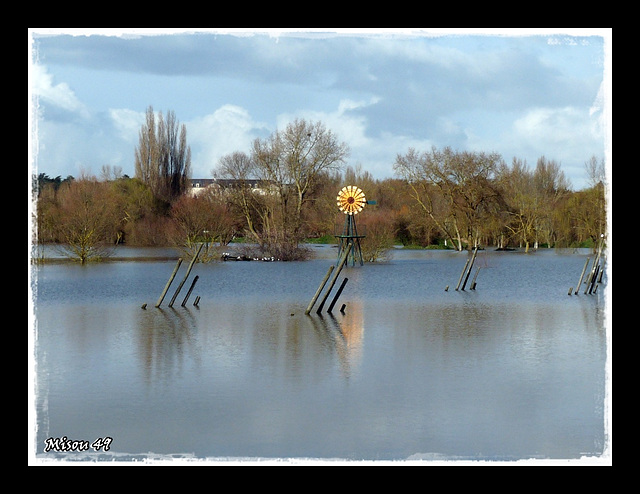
pixel 513 370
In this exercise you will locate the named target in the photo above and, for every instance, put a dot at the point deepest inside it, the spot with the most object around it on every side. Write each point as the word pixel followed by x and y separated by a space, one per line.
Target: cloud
pixel 228 129
pixel 60 95
pixel 566 130
pixel 517 95
pixel 127 123
pixel 377 153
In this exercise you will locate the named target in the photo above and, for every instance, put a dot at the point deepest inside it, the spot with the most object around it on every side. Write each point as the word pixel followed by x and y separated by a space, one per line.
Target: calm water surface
pixel 513 370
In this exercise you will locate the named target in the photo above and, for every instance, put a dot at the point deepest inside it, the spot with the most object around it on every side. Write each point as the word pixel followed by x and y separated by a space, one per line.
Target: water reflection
pixel 408 371
pixel 344 335
pixel 165 339
pixel 277 340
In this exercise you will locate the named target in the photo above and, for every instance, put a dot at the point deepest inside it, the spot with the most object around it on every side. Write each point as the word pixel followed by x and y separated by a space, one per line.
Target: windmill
pixel 351 201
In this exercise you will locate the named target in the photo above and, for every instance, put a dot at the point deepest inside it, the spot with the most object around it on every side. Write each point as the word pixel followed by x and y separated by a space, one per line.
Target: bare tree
pixel 203 219
pixel 595 171
pixel 162 157
pixel 87 220
pixel 147 153
pixel 239 167
pixel 293 161
pixel 455 189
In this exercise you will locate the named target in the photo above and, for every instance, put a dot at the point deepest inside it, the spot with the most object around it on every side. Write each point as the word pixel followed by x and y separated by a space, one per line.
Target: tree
pixel 551 187
pixel 455 189
pixel 162 157
pixel 201 219
pixel 293 161
pixel 87 219
pixel 239 167
pixel 413 167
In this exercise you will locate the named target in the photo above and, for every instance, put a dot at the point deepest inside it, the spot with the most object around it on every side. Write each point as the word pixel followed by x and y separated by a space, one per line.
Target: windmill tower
pixel 351 201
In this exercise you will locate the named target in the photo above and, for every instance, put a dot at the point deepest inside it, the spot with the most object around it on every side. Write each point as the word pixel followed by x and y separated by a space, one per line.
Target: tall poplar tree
pixel 162 157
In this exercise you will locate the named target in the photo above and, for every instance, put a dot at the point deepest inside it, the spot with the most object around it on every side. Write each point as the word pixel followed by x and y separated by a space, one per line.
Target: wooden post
pixel 166 288
pixel 594 279
pixel 473 258
pixel 335 276
pixel 193 261
pixel 594 269
pixel 317 294
pixel 462 274
pixel 335 299
pixel 602 266
pixel 184 302
pixel 475 276
pixel 196 301
pixel 584 270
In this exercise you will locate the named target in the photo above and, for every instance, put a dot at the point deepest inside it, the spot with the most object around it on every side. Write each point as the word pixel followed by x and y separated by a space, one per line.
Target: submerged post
pixel 166 288
pixel 462 274
pixel 473 258
pixel 317 294
pixel 193 261
pixel 343 259
pixel 335 299
pixel 475 276
pixel 184 302
pixel 592 274
pixel 584 270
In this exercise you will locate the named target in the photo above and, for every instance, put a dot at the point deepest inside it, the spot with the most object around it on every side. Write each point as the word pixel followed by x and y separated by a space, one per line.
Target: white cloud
pixel 127 123
pixel 60 95
pixel 375 154
pixel 563 131
pixel 230 128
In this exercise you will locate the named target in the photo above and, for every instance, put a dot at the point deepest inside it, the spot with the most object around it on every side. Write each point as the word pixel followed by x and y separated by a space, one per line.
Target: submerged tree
pixel 454 189
pixel 290 164
pixel 87 219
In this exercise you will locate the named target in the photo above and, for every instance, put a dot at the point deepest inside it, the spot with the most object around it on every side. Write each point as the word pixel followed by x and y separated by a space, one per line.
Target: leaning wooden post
pixel 594 279
pixel 184 302
pixel 317 294
pixel 335 299
pixel 166 288
pixel 584 270
pixel 602 266
pixel 193 261
pixel 335 276
pixel 475 276
pixel 462 274
pixel 592 273
pixel 473 258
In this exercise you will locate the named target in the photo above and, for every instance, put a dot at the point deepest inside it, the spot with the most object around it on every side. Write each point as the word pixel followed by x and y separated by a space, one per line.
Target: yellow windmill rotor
pixel 351 200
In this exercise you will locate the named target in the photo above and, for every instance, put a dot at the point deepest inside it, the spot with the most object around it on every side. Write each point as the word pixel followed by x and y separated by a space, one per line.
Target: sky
pixel 521 93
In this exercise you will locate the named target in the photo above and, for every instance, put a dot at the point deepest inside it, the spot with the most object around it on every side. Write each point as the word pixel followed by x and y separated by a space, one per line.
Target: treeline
pixel 438 198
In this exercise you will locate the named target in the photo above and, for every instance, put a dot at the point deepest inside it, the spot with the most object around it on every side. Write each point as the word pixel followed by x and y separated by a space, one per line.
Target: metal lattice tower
pixel 350 201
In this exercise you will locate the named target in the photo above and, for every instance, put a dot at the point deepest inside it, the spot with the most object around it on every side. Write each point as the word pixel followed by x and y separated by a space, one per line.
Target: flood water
pixel 513 370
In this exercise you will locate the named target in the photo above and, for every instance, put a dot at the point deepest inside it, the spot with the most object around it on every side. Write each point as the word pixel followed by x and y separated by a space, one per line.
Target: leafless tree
pixel 162 157
pixel 293 160
pixel 455 189
pixel 87 219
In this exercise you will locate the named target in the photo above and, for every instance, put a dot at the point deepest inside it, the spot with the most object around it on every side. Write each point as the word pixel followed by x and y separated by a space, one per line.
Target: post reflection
pixel 232 339
pixel 345 333
pixel 166 340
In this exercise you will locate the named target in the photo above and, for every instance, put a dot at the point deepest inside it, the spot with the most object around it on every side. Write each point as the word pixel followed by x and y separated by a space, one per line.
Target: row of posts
pixel 466 271
pixel 334 278
pixel 595 274
pixel 594 277
pixel 184 280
